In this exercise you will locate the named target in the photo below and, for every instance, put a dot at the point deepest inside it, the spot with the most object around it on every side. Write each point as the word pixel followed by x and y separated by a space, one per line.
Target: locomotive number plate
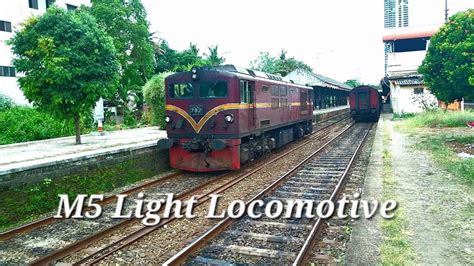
pixel 196 110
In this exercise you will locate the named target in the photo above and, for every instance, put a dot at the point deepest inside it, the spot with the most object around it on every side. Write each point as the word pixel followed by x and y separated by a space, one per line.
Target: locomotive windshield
pixel 181 90
pixel 213 89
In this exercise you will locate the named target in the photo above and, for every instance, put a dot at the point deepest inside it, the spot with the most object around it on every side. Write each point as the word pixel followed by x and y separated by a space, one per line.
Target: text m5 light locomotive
pixel 219 117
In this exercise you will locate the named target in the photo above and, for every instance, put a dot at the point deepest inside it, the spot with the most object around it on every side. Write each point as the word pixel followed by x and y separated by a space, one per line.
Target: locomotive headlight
pixel 194 74
pixel 167 119
pixel 229 118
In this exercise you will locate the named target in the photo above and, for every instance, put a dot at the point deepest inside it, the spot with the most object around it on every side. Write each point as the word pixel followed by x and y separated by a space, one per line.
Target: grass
pixel 25 204
pixel 447 158
pixel 436 119
pixel 396 248
pixel 436 144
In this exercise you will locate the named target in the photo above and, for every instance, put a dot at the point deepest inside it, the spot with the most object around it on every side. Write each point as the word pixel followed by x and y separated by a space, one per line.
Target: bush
pixel 440 118
pixel 5 102
pixel 20 124
pixel 154 94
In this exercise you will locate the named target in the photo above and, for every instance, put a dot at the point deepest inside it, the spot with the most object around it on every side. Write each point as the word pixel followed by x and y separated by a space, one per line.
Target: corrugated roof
pixel 314 79
pixel 408 81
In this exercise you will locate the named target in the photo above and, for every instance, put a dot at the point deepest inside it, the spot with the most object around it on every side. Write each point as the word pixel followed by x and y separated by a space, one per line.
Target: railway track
pixel 55 254
pixel 281 241
pixel 203 197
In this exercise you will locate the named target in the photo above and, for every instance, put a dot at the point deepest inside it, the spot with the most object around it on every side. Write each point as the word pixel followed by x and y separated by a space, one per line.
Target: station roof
pixel 316 80
pixel 409 33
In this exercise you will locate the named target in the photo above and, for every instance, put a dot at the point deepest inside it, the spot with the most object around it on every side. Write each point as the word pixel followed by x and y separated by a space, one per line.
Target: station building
pixel 406 48
pixel 12 14
pixel 327 92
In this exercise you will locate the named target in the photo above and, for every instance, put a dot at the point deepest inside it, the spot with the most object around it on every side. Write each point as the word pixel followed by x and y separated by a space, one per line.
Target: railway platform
pixel 31 157
pixel 321 114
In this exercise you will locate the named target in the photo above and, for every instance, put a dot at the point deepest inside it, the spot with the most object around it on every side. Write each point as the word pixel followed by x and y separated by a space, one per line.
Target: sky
pixel 339 39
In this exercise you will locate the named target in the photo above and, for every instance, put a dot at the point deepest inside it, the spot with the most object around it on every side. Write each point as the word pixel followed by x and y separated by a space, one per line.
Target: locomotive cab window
pixel 181 90
pixel 304 101
pixel 246 91
pixel 213 89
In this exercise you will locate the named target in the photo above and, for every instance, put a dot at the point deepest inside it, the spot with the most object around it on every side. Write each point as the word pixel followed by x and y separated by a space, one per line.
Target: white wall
pixel 402 99
pixel 406 62
pixel 16 11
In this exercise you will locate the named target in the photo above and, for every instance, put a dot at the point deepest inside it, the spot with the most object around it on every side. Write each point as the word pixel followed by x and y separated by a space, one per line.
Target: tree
pixel 68 63
pixel 125 22
pixel 448 68
pixel 278 65
pixel 168 59
pixel 352 82
pixel 154 94
pixel 213 58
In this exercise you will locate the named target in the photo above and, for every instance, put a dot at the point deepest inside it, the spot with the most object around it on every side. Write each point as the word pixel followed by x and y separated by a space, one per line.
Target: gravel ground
pixel 44 240
pixel 317 165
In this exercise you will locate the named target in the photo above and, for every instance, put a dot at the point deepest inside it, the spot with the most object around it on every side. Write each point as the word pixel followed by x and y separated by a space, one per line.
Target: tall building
pixel 395 16
pixel 395 13
pixel 12 14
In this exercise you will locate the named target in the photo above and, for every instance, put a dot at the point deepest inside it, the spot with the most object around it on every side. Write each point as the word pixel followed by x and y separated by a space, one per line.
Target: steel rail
pixel 180 257
pixel 49 220
pixel 129 239
pixel 67 250
pixel 316 229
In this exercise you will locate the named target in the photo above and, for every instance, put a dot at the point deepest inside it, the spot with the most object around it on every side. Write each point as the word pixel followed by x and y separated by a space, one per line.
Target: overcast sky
pixel 339 39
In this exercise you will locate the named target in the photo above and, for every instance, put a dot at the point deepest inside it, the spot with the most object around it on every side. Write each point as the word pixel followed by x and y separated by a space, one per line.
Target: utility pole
pixel 446 11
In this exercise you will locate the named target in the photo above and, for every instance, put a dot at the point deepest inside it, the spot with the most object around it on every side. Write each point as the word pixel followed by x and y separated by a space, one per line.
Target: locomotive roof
pixel 249 72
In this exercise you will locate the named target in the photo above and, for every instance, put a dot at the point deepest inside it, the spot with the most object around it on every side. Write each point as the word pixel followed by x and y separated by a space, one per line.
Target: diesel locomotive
pixel 220 117
pixel 365 104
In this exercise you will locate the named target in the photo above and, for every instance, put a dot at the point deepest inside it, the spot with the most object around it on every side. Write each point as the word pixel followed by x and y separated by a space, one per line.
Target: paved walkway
pixel 28 155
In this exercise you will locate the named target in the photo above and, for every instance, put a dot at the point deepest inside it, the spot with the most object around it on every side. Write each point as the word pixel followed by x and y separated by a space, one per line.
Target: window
pixel 213 89
pixel 49 3
pixel 275 91
pixel 283 91
pixel 5 26
pixel 418 90
pixel 246 92
pixel 275 103
pixel 304 101
pixel 264 88
pixel 33 4
pixel 283 102
pixel 181 91
pixel 7 71
pixel 71 7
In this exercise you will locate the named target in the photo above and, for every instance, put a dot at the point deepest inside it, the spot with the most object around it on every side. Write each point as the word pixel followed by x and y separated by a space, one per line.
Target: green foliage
pixel 213 58
pixel 446 157
pixel 353 82
pixel 154 92
pixel 278 65
pixel 170 60
pixel 5 102
pixel 125 22
pixel 438 118
pixel 448 67
pixel 20 124
pixel 68 62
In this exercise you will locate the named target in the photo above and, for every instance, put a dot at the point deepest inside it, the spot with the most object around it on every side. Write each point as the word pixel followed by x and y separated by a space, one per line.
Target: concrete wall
pixel 149 158
pixel 403 99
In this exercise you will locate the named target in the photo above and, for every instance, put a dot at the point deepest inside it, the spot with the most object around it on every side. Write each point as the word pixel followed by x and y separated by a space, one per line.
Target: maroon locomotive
pixel 365 103
pixel 220 117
